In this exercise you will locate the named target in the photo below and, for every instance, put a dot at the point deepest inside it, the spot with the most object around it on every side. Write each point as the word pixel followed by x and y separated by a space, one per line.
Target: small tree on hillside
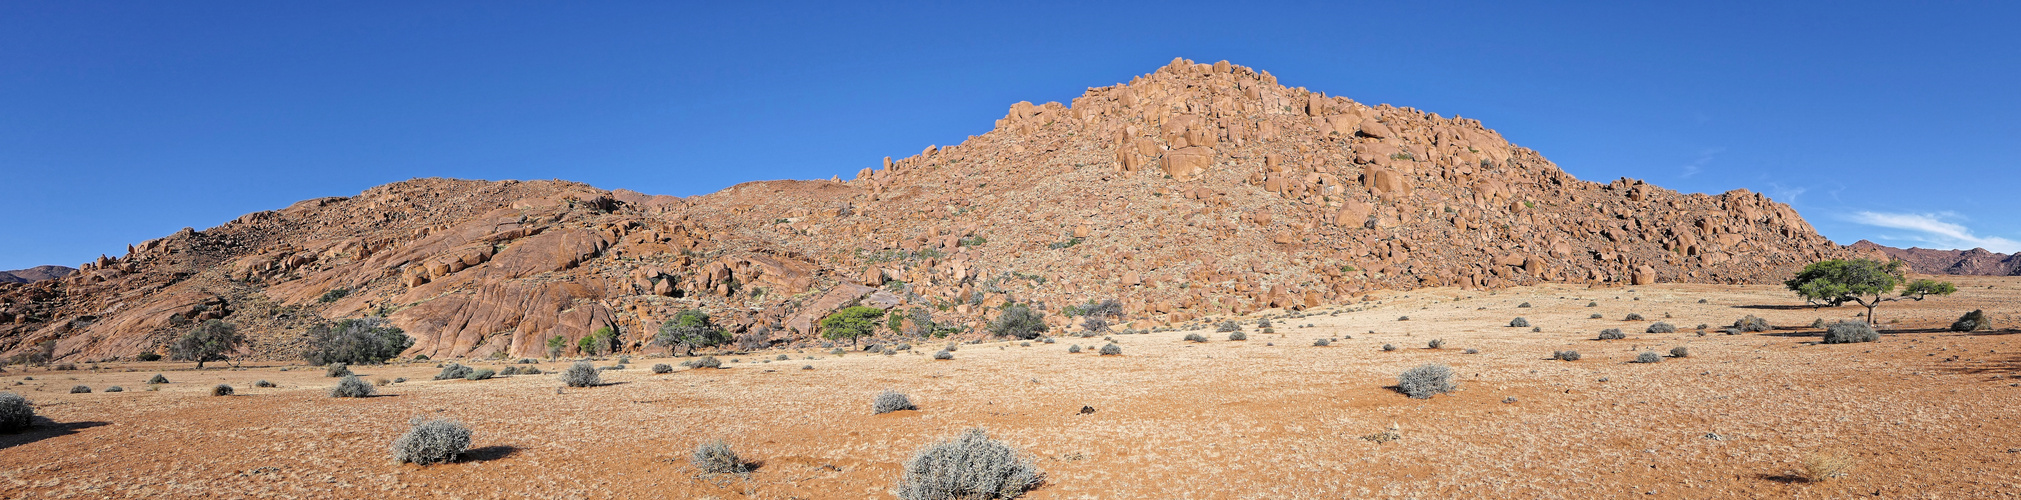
pixel 1865 282
pixel 355 342
pixel 851 323
pixel 209 341
pixel 691 329
pixel 1018 321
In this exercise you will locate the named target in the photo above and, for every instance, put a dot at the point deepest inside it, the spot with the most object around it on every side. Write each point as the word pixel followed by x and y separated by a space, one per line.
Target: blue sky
pixel 125 121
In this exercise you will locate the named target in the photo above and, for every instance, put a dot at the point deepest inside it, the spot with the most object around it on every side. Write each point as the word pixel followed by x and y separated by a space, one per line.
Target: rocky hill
pixel 1975 262
pixel 34 274
pixel 1197 190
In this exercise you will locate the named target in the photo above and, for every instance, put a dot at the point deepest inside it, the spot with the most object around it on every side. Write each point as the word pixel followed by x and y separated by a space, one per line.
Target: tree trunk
pixel 1870 315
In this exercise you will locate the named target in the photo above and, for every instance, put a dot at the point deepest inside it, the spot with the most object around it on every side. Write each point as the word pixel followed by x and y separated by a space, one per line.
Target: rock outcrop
pixel 1197 190
pixel 1974 262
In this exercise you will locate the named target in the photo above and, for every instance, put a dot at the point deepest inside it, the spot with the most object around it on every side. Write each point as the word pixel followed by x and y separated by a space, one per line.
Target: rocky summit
pixel 1195 191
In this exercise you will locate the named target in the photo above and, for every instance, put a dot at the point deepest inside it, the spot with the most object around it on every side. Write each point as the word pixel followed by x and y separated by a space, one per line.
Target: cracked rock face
pixel 1196 190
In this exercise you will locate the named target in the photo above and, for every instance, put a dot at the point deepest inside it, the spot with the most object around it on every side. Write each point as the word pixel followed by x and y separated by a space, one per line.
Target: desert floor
pixel 1924 413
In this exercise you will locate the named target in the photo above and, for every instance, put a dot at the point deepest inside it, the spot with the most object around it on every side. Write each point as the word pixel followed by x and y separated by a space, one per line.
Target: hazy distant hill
pixel 34 274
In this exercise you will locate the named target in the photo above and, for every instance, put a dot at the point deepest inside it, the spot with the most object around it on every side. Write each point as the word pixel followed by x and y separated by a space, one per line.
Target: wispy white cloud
pixel 1698 165
pixel 1935 230
pixel 1786 194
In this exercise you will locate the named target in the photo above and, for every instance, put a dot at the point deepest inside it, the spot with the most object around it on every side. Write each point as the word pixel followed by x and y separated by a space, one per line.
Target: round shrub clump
pixel 1389 347
pixel 944 355
pixel 453 371
pixel 1112 350
pixel 82 389
pixel 890 401
pixel 1565 355
pixel 16 413
pixel 1648 357
pixel 970 466
pixel 1661 327
pixel 704 362
pixel 1971 322
pixel 1195 337
pixel 1751 324
pixel 221 390
pixel 1424 381
pixel 337 370
pixel 1519 323
pixel 157 379
pixel 1612 334
pixel 1680 352
pixel 663 368
pixel 115 389
pixel 351 387
pixel 431 442
pixel 716 457
pixel 1074 349
pixel 1238 336
pixel 1227 326
pixel 1322 343
pixel 263 384
pixel 1632 317
pixel 1846 332
pixel 580 374
pixel 1436 344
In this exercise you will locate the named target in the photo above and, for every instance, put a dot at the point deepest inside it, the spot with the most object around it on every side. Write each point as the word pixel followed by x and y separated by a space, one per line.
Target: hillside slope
pixel 34 274
pixel 1197 190
pixel 1974 262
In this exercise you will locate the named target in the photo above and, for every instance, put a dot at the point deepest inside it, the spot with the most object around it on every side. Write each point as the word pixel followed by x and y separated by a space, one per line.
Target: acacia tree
pixel 209 341
pixel 690 329
pixel 851 323
pixel 1865 282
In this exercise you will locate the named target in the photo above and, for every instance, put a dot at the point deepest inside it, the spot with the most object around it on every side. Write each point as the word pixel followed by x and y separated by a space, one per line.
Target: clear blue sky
pixel 125 121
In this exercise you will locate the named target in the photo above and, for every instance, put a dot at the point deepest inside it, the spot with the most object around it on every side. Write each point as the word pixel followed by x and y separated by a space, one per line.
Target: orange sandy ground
pixel 1921 414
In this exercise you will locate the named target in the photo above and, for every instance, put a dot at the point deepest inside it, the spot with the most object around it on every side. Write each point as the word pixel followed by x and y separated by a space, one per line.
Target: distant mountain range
pixel 34 274
pixel 1974 262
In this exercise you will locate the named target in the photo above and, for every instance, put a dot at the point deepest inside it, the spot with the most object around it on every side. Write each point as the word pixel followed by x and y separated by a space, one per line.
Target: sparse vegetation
pixel 355 341
pixel 1680 352
pixel 1525 305
pixel 969 467
pixel 263 384
pixel 216 390
pixel 1227 326
pixel 1322 343
pixel 716 457
pixel 115 389
pixel 157 379
pixel 1661 327
pixel 480 374
pixel 1519 323
pixel 890 401
pixel 1195 337
pixel 1436 344
pixel 1111 350
pixel 704 362
pixel 1847 332
pixel 580 374
pixel 351 387
pixel 1648 357
pixel 1238 336
pixel 943 355
pixel 1389 347
pixel 430 442
pixel 662 368
pixel 1565 355
pixel 1595 316
pixel 1632 317
pixel 1074 349
pixel 1425 381
pixel 82 389
pixel 336 370
pixel 1612 334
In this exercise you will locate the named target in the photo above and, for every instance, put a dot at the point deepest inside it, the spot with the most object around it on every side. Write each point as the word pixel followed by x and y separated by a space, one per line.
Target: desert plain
pixel 1923 413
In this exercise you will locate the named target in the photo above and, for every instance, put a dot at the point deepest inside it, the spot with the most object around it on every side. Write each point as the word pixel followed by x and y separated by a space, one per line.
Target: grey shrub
pixel 890 401
pixel 580 374
pixel 970 466
pixel 1519 323
pixel 351 387
pixel 716 457
pixel 1424 381
pixel 1612 334
pixel 1648 357
pixel 1846 332
pixel 1112 350
pixel 1661 327
pixel 16 412
pixel 431 441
